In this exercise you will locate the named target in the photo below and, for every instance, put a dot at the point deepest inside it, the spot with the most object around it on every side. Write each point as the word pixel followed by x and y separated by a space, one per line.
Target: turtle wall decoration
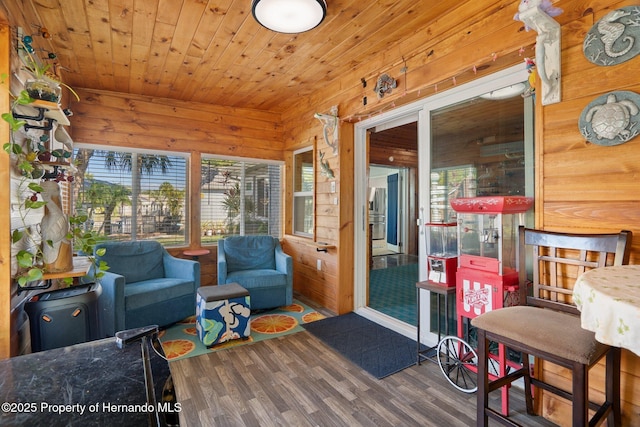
pixel 611 119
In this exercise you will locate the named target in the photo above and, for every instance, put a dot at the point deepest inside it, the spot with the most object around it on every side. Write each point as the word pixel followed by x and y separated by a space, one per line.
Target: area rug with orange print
pixel 180 340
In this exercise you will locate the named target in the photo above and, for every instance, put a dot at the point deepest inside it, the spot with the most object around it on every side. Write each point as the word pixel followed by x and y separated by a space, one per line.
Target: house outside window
pixel 240 197
pixel 132 195
pixel 303 179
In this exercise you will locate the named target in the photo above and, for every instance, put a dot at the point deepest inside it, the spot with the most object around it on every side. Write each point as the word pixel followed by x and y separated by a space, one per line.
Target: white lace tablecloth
pixel 609 302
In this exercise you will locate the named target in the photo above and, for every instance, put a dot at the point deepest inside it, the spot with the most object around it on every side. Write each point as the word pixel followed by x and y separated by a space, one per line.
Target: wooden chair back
pixel 558 259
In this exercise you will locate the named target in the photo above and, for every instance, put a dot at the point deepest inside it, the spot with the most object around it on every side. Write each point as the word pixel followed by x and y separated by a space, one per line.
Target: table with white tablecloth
pixel 609 302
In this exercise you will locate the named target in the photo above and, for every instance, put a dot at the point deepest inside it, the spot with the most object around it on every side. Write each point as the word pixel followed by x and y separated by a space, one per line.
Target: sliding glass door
pixel 478 139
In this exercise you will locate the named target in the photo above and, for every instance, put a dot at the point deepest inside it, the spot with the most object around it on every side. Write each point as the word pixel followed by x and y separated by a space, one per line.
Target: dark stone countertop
pixel 89 384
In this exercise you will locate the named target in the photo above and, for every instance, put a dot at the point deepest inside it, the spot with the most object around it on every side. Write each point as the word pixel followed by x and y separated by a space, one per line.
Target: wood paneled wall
pixel 126 120
pixel 584 187
pixel 580 187
pixel 5 205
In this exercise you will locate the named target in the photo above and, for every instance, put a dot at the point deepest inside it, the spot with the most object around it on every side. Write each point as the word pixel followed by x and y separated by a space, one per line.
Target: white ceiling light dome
pixel 505 92
pixel 289 16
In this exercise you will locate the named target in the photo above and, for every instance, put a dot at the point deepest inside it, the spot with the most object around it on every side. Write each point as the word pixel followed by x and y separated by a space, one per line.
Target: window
pixel 303 178
pixel 129 195
pixel 240 197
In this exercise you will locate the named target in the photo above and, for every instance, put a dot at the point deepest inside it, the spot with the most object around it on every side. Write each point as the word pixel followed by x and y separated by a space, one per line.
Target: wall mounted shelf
pixel 39 110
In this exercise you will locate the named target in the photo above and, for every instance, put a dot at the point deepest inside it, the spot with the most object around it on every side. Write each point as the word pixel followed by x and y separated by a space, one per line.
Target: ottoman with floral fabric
pixel 222 313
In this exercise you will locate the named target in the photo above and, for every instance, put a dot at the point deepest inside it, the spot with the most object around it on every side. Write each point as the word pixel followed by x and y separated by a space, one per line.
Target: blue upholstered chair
pixel 145 285
pixel 259 265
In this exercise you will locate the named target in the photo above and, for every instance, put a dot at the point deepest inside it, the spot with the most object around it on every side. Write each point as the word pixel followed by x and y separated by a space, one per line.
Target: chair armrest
pixel 179 268
pixel 222 264
pixel 284 262
pixel 111 304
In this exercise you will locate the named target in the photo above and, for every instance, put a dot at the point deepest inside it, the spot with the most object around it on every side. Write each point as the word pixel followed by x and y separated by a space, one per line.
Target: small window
pixel 303 179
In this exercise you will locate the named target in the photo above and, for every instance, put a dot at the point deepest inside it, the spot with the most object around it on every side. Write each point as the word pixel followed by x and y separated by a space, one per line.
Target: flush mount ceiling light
pixel 289 16
pixel 505 92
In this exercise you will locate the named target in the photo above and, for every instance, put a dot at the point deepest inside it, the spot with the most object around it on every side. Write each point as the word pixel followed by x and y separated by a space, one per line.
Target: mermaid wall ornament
pixel 537 15
pixel 330 128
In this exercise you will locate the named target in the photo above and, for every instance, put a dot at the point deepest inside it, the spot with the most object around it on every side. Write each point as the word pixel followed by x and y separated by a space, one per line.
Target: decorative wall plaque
pixel 611 119
pixel 384 85
pixel 615 38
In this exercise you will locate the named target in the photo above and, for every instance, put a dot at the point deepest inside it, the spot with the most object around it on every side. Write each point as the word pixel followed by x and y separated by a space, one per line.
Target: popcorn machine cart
pixel 486 279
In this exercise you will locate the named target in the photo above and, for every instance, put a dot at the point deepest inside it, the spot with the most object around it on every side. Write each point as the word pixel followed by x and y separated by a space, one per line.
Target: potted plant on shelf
pixel 34 175
pixel 44 85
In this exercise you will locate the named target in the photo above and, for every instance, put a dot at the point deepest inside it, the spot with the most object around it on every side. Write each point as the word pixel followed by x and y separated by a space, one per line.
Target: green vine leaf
pixel 32 275
pixel 36 187
pixel 24 258
pixel 78 219
pixel 24 98
pixel 26 166
pixel 16 236
pixel 30 204
pixel 14 123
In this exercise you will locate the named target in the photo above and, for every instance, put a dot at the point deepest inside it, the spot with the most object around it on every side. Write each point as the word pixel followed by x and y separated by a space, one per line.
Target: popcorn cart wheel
pixel 458 362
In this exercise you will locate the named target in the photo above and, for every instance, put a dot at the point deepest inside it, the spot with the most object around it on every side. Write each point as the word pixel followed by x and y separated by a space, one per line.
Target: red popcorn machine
pixel 486 279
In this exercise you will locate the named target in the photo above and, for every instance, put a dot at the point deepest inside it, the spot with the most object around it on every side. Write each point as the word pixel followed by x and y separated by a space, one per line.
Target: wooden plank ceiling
pixel 215 52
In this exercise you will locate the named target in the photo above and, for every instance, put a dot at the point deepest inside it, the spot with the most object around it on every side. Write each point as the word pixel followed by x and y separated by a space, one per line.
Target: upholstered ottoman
pixel 222 313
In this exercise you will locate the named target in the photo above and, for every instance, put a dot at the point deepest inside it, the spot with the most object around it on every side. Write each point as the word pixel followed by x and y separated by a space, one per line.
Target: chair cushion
pixel 547 330
pixel 136 261
pixel 250 253
pixel 149 292
pixel 258 278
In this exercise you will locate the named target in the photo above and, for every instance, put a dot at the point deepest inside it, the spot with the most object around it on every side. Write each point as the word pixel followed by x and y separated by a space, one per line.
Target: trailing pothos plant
pixel 31 164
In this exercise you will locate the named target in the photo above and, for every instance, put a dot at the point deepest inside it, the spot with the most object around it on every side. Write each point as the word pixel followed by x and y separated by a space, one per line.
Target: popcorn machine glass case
pixel 487 246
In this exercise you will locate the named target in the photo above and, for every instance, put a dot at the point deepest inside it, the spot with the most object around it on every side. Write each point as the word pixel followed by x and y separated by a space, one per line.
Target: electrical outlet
pixel 319 264
pixel 333 186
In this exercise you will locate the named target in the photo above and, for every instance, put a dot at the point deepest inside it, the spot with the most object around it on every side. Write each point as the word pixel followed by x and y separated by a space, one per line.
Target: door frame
pixel 421 108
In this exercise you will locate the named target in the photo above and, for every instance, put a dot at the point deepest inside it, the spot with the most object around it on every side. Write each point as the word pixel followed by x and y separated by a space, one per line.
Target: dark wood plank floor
pixel 296 380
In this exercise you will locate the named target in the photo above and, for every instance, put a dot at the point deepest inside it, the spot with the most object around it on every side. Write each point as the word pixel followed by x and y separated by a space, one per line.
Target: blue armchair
pixel 145 285
pixel 260 266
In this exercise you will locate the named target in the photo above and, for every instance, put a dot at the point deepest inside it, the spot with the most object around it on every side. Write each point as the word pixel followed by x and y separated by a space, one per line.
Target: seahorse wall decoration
pixel 614 38
pixel 324 166
pixel 611 32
